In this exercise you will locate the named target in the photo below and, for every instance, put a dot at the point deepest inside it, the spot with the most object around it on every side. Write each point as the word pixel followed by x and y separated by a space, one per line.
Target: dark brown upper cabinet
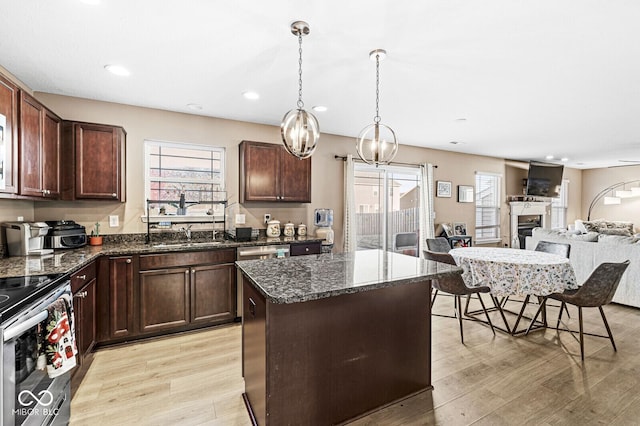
pixel 269 173
pixel 8 136
pixel 39 149
pixel 96 155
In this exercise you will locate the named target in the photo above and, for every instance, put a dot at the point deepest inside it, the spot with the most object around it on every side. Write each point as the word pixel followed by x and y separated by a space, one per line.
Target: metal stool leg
pixel 581 332
pixel 606 325
pixel 458 303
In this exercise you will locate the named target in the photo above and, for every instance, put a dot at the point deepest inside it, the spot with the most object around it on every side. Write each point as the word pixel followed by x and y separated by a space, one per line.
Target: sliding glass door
pixel 386 205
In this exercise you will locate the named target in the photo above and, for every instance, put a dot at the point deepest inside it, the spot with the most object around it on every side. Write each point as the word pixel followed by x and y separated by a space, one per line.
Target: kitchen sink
pixel 176 245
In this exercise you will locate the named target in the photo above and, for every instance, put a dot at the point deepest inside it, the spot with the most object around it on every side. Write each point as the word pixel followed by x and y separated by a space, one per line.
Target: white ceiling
pixel 531 78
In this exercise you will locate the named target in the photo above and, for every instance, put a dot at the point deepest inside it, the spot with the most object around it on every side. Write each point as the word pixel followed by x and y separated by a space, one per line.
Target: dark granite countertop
pixel 305 278
pixel 68 260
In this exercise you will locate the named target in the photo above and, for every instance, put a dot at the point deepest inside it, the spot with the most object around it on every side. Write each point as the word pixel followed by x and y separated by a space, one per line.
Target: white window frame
pixel 148 143
pixel 497 188
pixel 559 206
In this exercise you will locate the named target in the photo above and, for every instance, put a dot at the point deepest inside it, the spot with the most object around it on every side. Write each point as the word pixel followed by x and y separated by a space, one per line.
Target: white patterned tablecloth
pixel 515 272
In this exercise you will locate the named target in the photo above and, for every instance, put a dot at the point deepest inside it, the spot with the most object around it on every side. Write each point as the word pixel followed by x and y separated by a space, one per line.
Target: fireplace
pixel 528 215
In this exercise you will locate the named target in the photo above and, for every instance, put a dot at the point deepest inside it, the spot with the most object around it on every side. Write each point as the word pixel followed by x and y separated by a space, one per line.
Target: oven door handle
pixel 21 327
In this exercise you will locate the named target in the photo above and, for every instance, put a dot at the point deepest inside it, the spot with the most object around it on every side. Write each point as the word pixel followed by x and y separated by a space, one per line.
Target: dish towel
pixel 59 337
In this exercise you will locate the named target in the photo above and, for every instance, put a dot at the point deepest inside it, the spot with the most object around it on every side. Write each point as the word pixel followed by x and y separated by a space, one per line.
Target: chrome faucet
pixel 187 232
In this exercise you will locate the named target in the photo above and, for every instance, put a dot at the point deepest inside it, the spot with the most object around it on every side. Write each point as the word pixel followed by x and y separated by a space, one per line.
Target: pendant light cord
pixel 376 119
pixel 300 103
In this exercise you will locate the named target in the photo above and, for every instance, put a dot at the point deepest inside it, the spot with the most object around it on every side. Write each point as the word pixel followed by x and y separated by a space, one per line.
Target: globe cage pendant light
pixel 299 129
pixel 376 143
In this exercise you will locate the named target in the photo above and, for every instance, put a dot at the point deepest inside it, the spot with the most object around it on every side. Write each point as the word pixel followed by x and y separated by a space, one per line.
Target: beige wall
pixel 327 173
pixel 596 180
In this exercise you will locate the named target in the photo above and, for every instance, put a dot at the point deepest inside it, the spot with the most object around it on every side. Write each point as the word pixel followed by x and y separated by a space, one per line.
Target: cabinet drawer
pixel 306 248
pixel 83 276
pixel 168 260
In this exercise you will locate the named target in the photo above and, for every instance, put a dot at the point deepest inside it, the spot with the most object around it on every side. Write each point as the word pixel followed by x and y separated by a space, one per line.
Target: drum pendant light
pixel 376 143
pixel 299 129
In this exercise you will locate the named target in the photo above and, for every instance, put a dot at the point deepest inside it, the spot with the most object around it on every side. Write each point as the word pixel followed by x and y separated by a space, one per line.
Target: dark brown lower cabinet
pixel 330 360
pixel 213 293
pixel 164 299
pixel 121 297
pixel 84 287
pixel 154 294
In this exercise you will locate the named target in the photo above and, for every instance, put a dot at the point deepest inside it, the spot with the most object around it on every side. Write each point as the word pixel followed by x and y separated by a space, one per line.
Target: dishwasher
pixel 253 253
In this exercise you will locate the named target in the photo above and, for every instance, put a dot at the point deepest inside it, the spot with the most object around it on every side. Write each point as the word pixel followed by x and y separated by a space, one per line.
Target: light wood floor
pixel 195 379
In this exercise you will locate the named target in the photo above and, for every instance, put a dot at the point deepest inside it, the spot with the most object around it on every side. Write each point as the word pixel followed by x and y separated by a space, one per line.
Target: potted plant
pixel 95 239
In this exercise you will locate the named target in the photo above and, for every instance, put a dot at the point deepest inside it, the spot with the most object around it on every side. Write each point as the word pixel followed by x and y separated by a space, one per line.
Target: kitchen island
pixel 328 338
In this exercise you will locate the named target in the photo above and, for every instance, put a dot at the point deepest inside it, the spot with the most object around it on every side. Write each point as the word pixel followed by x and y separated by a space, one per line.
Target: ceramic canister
pixel 289 230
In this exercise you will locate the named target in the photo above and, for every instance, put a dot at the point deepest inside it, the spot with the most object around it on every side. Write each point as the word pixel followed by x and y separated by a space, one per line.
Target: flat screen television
pixel 544 179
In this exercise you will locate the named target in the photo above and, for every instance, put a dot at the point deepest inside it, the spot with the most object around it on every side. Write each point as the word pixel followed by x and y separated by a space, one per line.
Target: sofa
pixel 593 245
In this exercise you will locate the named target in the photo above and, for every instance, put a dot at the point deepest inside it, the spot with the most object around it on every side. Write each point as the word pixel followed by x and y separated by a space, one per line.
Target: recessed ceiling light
pixel 251 95
pixel 564 159
pixel 91 2
pixel 117 70
pixel 460 120
pixel 319 108
pixel 549 157
pixel 194 107
pixel 456 143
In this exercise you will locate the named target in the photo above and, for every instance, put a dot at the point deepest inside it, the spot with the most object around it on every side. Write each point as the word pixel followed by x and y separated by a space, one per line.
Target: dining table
pixel 514 272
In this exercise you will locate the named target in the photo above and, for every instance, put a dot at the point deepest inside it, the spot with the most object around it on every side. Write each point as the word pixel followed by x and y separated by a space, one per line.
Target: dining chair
pixel 560 249
pixel 597 291
pixel 406 242
pixel 455 286
pixel 439 245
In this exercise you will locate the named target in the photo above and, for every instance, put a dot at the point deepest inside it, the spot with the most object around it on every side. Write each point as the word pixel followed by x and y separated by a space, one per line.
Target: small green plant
pixel 96 230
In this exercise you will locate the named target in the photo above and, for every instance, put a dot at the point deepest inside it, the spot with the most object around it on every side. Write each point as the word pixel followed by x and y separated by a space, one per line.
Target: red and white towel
pixel 59 337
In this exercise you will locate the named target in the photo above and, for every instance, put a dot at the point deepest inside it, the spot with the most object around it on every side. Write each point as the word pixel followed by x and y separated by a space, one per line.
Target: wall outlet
pixel 267 217
pixel 240 219
pixel 114 221
pixel 20 219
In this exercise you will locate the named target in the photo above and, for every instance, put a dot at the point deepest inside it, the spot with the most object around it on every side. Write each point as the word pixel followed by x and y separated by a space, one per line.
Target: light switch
pixel 240 219
pixel 114 221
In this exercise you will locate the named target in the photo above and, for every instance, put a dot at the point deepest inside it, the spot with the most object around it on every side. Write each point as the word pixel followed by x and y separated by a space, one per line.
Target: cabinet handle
pixel 252 307
pixel 82 294
pixel 186 272
pixel 114 195
pixel 81 277
pixel 306 249
pixel 128 260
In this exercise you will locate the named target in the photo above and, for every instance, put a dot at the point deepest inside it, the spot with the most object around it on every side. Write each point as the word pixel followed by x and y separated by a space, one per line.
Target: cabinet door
pixel 164 299
pixel 86 318
pixel 51 154
pixel 99 162
pixel 213 293
pixel 31 122
pixel 259 171
pixel 295 178
pixel 8 136
pixel 121 322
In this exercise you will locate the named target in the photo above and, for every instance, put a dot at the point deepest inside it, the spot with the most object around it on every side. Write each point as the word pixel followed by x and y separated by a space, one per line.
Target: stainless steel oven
pixel 28 395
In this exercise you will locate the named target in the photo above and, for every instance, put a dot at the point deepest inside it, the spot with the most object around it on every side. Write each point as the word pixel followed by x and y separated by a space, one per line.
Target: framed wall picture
pixel 465 194
pixel 459 228
pixel 443 188
pixel 445 230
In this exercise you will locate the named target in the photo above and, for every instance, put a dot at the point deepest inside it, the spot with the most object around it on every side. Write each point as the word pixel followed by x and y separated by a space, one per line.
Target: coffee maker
pixel 26 238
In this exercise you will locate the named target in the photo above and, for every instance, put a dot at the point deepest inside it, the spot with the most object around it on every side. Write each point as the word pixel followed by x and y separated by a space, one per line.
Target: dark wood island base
pixel 334 359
